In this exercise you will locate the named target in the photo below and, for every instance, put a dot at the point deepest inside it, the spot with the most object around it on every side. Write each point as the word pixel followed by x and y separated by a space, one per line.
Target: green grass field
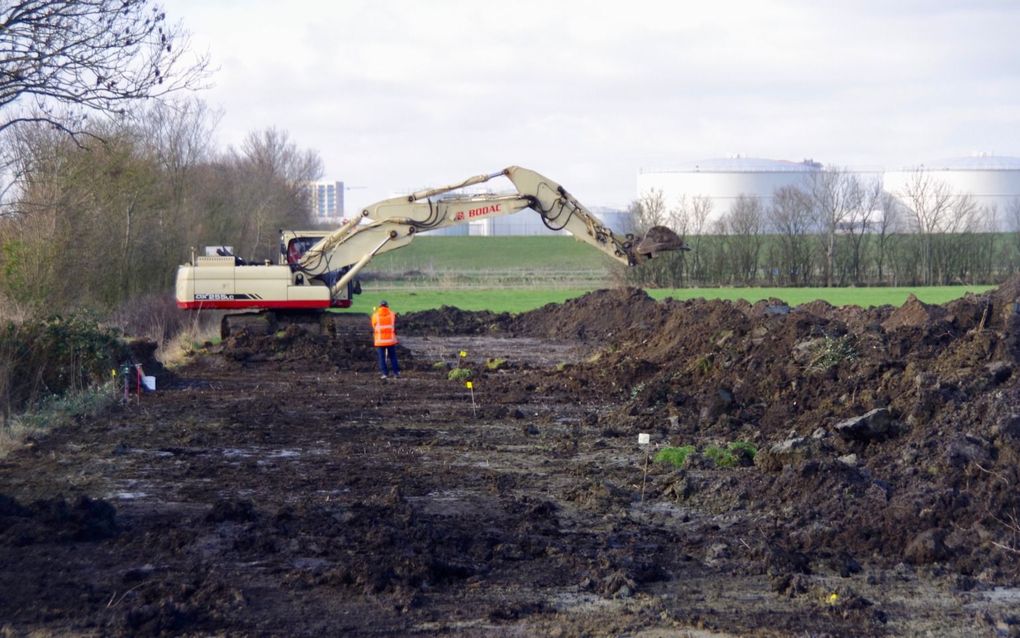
pixel 441 255
pixel 522 300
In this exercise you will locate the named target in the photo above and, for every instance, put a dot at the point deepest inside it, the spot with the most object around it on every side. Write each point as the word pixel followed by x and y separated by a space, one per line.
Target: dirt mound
pixel 914 313
pixel 447 320
pixel 349 349
pixel 55 520
pixel 791 381
pixel 603 314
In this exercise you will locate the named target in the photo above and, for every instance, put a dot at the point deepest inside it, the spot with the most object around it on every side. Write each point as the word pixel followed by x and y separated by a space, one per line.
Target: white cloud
pixel 398 94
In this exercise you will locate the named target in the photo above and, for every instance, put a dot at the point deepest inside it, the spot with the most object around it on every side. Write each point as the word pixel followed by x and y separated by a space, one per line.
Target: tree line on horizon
pixel 838 229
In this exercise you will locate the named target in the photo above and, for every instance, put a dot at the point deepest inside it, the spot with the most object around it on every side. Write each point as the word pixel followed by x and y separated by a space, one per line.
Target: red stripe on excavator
pixel 249 303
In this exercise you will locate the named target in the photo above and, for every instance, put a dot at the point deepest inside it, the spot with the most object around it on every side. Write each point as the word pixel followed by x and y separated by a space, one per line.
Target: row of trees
pixel 100 220
pixel 839 229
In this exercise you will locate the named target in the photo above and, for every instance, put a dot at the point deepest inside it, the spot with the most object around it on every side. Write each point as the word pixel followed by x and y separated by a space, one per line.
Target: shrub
pixel 54 357
pixel 676 456
pixel 178 333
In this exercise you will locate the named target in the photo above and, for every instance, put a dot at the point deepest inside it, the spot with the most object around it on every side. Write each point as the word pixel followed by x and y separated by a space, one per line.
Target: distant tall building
pixel 327 201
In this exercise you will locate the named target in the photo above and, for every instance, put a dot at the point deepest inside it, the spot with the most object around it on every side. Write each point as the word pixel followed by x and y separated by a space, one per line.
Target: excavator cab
pixel 294 245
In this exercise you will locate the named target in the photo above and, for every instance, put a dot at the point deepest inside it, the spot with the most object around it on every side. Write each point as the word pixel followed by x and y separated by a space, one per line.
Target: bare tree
pixel 62 59
pixel 791 219
pixel 888 224
pixel 275 178
pixel 177 134
pixel 745 225
pixel 930 202
pixel 649 210
pixel 859 223
pixel 1013 216
pixel 698 213
pixel 835 193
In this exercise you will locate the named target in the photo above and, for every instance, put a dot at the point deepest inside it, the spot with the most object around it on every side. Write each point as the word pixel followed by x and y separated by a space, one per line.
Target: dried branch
pixel 62 57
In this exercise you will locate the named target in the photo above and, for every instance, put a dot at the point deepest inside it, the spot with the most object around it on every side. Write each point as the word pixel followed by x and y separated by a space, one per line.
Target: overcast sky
pixel 397 95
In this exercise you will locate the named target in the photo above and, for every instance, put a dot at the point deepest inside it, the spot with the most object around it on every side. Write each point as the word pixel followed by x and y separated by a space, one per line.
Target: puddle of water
pixel 1003 595
pixel 309 563
pixel 234 453
pixel 579 602
pixel 127 496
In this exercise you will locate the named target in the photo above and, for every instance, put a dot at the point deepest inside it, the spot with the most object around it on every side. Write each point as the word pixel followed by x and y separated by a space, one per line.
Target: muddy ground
pixel 277 486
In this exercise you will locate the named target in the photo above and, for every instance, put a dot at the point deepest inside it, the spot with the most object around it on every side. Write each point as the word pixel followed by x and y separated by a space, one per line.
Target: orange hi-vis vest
pixel 384 325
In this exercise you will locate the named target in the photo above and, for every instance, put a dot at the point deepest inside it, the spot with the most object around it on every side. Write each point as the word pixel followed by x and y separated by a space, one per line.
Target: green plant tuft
pixel 743 448
pixel 832 351
pixel 495 364
pixel 459 374
pixel 676 456
pixel 722 457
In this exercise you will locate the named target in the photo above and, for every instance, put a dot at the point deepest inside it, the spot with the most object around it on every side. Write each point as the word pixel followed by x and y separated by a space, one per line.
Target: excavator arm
pixel 393 223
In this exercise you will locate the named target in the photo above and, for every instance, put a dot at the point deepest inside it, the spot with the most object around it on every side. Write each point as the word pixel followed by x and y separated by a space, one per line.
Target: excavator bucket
pixel 659 239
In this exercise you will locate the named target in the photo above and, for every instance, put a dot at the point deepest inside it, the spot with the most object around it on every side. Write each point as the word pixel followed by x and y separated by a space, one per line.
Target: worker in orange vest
pixel 384 328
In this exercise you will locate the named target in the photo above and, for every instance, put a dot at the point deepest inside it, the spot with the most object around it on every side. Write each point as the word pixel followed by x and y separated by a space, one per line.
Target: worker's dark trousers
pixel 382 351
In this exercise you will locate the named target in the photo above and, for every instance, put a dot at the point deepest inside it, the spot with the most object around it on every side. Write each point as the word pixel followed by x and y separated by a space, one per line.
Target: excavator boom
pixel 392 223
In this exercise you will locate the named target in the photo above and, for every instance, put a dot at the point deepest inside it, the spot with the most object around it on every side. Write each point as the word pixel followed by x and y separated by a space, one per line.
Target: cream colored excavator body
pixel 323 275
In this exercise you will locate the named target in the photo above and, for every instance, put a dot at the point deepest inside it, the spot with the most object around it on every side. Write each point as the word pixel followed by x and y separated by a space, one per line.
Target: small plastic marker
pixel 469 385
pixel 463 353
pixel 644 438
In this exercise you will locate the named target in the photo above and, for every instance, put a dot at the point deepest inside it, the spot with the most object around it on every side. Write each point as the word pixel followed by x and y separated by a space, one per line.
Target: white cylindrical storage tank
pixel 993 182
pixel 620 222
pixel 723 181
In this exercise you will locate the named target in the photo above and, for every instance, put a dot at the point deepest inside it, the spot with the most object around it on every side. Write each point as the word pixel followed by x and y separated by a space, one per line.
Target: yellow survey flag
pixel 469 385
pixel 463 353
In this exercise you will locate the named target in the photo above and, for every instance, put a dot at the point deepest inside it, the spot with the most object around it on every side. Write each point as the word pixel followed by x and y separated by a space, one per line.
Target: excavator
pixel 318 270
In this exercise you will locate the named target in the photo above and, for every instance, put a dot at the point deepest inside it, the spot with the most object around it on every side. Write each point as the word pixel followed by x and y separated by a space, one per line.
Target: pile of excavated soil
pixel 350 348
pixel 883 432
pixel 889 433
pixel 447 320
